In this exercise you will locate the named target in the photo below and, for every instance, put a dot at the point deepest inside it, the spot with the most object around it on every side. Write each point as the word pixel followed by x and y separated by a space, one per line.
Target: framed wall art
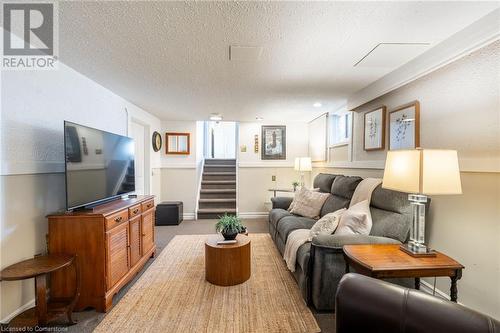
pixel 374 129
pixel 273 143
pixel 404 127
pixel 177 143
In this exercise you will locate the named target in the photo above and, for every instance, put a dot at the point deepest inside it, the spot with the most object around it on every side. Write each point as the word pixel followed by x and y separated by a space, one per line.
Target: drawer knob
pixel 136 211
pixel 119 219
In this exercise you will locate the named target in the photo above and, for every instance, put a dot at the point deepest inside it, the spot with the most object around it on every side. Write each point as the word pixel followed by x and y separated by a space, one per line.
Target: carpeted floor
pixel 173 296
pixel 90 319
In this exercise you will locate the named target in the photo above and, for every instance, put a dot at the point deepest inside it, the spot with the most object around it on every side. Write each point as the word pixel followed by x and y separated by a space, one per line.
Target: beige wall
pixel 27 199
pixel 460 109
pixel 254 183
pixel 180 184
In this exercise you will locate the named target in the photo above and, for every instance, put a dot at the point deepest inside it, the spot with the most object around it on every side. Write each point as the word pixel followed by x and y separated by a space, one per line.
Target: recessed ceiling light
pixel 259 118
pixel 317 105
pixel 215 116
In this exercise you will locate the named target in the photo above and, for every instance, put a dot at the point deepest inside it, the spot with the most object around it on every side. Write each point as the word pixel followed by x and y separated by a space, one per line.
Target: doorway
pixel 139 132
pixel 221 139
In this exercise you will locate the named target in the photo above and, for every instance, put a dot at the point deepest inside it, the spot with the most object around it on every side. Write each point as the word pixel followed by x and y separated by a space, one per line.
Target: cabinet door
pixel 148 240
pixel 135 240
pixel 117 257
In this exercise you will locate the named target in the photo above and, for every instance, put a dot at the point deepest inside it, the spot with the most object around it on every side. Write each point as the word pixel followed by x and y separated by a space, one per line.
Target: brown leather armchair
pixel 364 304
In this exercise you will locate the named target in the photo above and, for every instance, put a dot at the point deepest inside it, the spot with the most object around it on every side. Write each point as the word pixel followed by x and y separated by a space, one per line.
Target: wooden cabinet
pixel 117 256
pixel 135 240
pixel 112 243
pixel 148 226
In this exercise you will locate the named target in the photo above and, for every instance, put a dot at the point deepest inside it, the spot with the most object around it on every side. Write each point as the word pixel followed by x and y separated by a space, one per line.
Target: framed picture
pixel 177 143
pixel 404 127
pixel 273 143
pixel 374 129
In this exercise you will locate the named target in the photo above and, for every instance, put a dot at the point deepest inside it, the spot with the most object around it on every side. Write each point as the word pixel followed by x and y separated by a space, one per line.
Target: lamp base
pixel 417 251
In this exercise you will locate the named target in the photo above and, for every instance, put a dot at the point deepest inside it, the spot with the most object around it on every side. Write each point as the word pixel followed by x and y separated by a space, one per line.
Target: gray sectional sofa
pixel 320 264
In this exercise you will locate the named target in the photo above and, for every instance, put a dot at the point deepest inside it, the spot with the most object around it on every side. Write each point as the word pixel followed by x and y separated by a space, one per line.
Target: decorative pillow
pixel 327 224
pixel 356 220
pixel 293 201
pixel 308 203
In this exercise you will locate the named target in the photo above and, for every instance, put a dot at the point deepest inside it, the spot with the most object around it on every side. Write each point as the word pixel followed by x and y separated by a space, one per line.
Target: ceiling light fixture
pixel 259 118
pixel 317 105
pixel 215 116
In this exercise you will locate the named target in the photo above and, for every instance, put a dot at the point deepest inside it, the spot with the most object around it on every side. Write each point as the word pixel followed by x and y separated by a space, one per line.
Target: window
pixel 339 128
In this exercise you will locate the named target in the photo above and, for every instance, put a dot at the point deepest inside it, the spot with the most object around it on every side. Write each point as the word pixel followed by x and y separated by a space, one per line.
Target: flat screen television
pixel 99 165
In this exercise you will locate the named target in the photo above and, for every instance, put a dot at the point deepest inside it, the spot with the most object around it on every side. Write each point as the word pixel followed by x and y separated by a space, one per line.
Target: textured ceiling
pixel 171 58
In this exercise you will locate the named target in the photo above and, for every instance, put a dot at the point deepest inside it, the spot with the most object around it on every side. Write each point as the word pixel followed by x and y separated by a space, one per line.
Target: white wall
pixel 460 109
pixel 255 174
pixel 34 105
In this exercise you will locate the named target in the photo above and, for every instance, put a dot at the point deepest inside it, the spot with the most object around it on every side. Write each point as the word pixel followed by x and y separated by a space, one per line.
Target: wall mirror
pixel 177 143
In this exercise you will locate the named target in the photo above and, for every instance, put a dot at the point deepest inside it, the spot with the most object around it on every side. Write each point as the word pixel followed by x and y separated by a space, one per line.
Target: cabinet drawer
pixel 116 219
pixel 148 205
pixel 134 211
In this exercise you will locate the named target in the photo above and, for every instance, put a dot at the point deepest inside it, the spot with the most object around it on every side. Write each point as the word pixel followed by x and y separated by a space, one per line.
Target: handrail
pixel 200 179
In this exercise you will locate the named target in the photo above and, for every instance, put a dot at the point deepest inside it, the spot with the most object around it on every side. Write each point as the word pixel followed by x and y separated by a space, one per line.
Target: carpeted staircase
pixel 218 189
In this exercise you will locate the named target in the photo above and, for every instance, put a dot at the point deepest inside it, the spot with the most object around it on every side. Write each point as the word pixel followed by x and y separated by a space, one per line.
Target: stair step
pixel 218 200
pixel 220 166
pixel 216 210
pixel 218 190
pixel 221 173
pixel 218 182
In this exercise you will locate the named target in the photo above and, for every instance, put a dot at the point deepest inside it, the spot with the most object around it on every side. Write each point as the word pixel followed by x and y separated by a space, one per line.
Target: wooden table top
pixel 37 266
pixel 212 240
pixel 388 257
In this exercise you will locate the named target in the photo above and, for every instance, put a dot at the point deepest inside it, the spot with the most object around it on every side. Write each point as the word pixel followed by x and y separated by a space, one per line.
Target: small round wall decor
pixel 156 141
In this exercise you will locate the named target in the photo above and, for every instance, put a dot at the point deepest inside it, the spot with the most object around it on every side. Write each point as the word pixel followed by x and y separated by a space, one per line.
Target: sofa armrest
pixel 338 241
pixel 281 202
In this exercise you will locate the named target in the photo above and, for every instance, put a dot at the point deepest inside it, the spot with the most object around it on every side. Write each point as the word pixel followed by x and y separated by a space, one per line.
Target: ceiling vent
pixel 245 53
pixel 392 55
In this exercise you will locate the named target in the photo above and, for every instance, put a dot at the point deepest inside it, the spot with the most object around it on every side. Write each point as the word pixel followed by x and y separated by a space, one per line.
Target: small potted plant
pixel 229 226
pixel 295 184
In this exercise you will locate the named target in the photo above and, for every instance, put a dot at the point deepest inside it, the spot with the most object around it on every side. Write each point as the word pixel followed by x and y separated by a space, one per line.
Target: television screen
pixel 99 165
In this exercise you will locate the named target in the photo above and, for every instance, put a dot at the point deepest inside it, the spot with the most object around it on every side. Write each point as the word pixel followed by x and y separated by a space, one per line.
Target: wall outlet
pixel 273 178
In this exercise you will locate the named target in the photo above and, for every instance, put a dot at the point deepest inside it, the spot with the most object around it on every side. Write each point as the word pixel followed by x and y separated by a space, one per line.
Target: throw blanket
pixel 301 236
pixel 295 239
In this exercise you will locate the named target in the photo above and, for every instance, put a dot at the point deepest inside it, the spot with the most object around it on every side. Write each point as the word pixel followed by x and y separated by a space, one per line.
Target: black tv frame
pixel 92 204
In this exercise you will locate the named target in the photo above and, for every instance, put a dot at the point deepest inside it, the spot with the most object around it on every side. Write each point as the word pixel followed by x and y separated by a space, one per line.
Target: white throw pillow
pixel 308 203
pixel 327 224
pixel 357 220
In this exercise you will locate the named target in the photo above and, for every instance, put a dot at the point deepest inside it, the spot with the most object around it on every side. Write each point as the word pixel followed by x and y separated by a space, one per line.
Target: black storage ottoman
pixel 169 213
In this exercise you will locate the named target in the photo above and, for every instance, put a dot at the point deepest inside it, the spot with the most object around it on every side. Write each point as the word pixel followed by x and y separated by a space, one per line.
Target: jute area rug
pixel 173 296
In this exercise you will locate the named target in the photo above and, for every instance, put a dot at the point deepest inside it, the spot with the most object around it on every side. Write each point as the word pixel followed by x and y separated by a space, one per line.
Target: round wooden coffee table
pixel 227 265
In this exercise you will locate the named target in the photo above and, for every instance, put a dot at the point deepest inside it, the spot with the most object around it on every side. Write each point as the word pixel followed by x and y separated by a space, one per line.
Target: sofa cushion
pixel 324 182
pixel 391 214
pixel 277 214
pixel 344 186
pixel 341 193
pixel 356 220
pixel 303 254
pixel 308 203
pixel 327 224
pixel 290 223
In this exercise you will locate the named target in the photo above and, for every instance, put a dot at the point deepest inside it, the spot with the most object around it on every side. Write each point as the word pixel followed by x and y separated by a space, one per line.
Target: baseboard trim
pixel 189 216
pixel 253 215
pixel 19 310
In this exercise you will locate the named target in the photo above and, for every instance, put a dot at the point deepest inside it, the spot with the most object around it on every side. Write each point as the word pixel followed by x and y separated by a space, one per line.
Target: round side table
pixel 38 268
pixel 229 264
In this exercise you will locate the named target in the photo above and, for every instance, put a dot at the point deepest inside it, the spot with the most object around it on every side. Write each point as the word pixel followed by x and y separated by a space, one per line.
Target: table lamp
pixel 303 164
pixel 421 172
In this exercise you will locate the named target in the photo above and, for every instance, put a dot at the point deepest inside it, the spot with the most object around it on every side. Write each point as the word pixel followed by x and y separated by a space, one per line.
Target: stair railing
pixel 200 179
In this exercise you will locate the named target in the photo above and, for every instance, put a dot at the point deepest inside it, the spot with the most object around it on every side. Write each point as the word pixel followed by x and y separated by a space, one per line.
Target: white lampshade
pixel 303 164
pixel 424 171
